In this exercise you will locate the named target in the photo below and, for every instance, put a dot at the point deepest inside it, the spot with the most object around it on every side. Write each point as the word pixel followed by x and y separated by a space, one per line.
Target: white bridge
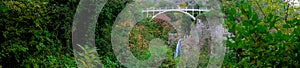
pixel 157 11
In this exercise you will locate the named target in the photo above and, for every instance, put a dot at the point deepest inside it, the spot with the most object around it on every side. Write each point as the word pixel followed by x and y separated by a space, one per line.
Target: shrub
pixel 36 34
pixel 263 34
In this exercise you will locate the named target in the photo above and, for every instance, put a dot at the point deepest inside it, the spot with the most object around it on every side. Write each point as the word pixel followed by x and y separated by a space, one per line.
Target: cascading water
pixel 202 44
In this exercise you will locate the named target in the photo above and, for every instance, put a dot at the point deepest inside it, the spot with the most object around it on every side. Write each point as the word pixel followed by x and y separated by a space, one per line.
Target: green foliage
pixel 36 34
pixel 106 19
pixel 164 3
pixel 143 32
pixel 261 36
pixel 182 5
pixel 88 57
pixel 265 33
pixel 141 35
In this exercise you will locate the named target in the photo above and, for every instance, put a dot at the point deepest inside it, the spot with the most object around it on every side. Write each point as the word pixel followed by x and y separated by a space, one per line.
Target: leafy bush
pixel 36 34
pixel 263 34
pixel 141 35
pixel 106 19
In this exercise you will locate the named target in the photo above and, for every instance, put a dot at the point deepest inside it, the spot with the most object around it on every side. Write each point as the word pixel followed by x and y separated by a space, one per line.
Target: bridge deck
pixel 166 9
pixel 160 10
pixel 174 9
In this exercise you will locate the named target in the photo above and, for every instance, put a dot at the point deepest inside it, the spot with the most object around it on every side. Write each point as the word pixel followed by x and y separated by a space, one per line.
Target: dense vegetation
pixel 38 34
pixel 264 34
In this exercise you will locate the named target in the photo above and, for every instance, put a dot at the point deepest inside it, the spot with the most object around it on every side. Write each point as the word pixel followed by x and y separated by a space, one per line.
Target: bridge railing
pixel 158 9
pixel 153 10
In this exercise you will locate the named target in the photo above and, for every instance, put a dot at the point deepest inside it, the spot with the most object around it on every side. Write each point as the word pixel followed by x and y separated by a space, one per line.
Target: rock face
pixel 205 38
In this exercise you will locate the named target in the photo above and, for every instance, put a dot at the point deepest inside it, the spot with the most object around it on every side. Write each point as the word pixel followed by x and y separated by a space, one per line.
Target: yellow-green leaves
pixel 265 28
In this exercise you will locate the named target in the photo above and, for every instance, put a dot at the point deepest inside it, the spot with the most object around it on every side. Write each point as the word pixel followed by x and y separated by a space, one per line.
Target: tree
pixel 182 5
pixel 265 33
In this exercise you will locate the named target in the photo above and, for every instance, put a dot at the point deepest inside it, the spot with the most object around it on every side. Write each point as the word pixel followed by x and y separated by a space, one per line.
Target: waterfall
pixel 203 43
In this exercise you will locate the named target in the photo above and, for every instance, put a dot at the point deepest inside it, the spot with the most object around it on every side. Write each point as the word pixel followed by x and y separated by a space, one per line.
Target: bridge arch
pixel 193 17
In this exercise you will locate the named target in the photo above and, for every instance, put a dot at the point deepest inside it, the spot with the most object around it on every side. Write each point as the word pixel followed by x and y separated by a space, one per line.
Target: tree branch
pixel 260 8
